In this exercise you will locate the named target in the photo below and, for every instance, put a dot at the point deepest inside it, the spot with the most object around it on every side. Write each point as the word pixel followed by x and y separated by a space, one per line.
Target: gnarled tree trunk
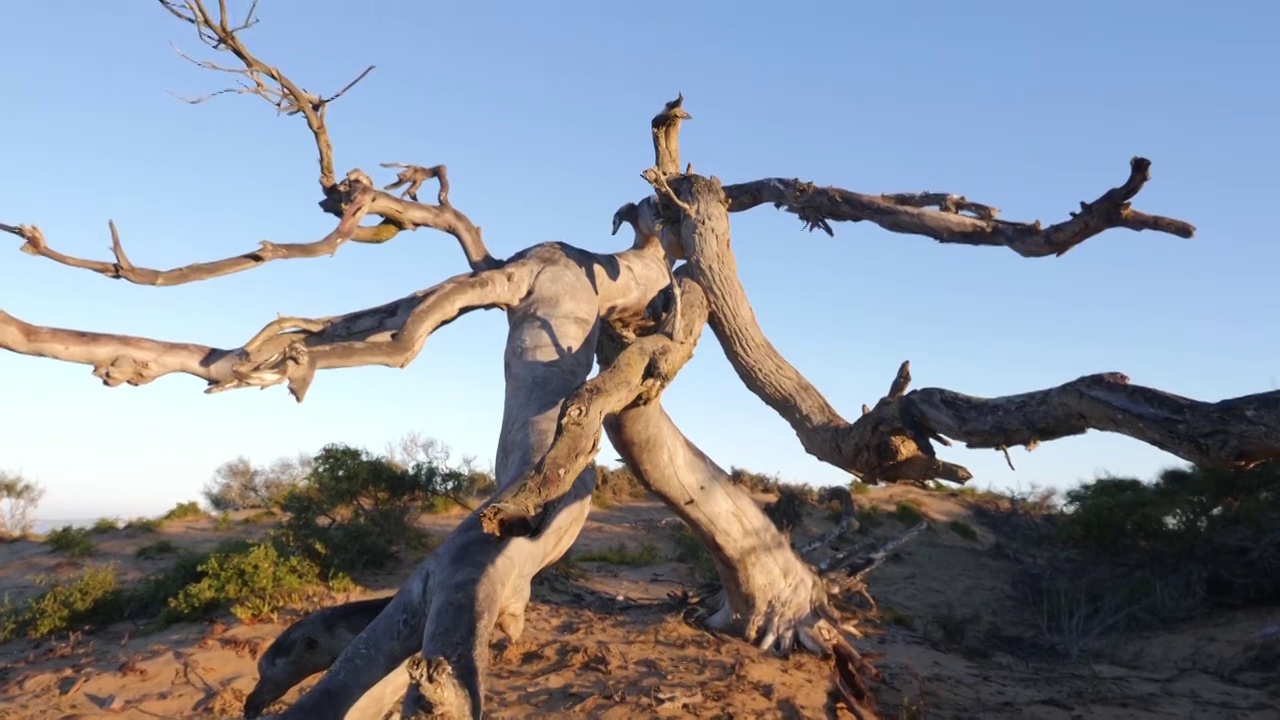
pixel 429 644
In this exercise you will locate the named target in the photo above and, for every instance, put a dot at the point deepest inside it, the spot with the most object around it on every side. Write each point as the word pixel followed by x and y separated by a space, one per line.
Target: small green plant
pixel 185 511
pixel 71 540
pixel 254 582
pixel 620 554
pixel 64 606
pixel 908 513
pixel 963 529
pixel 159 548
pixel 223 523
pixel 689 549
pixel 146 525
pixel 568 568
pixel 104 525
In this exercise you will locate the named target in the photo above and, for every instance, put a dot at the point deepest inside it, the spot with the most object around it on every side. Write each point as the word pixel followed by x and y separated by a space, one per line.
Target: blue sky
pixel 540 111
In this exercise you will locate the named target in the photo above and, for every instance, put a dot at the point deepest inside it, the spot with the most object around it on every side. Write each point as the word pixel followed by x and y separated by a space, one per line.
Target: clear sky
pixel 541 112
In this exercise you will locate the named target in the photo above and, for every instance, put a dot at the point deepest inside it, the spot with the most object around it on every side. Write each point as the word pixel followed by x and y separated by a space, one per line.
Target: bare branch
pixel 287 350
pixel 637 375
pixel 357 189
pixel 905 213
pixel 414 176
pixel 263 80
pixel 894 439
pixel 893 442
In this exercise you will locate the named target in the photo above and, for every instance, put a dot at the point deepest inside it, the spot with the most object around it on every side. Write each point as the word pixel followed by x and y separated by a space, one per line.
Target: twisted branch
pixel 287 350
pixel 907 213
pixel 637 374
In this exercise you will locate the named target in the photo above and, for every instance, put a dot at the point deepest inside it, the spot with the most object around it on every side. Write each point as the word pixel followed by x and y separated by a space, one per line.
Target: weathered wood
pixel 893 440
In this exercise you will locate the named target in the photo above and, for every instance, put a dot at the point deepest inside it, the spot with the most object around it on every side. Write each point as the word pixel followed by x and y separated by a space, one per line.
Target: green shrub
pixel 689 549
pixel 616 485
pixel 754 482
pixel 71 540
pixel 355 511
pixel 185 511
pixel 104 525
pixel 156 549
pixel 223 523
pixel 62 607
pixel 1121 553
pixel 908 513
pixel 254 582
pixel 146 525
pixel 963 529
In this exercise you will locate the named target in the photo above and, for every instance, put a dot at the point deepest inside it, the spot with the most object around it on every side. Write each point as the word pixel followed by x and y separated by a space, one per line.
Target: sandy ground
pixel 605 641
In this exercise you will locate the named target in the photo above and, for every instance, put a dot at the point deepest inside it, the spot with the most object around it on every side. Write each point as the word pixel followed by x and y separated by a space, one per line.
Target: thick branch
pixel 1237 432
pixel 906 213
pixel 287 349
pixel 893 441
pixel 637 375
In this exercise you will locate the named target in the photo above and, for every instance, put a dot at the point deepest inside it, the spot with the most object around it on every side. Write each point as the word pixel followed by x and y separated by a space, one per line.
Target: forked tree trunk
pixel 449 606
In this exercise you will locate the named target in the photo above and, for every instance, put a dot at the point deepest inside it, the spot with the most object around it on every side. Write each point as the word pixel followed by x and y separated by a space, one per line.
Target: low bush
pixel 71 540
pixel 104 525
pixel 146 525
pixel 253 581
pixel 156 549
pixel 355 510
pixel 689 549
pixel 185 511
pixel 62 606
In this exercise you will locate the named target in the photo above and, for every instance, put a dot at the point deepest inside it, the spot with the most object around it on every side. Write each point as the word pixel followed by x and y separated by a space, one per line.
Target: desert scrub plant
pixel 908 513
pixel 689 549
pixel 71 540
pixel 962 529
pixel 616 485
pixel 254 582
pixel 104 525
pixel 185 511
pixel 355 510
pixel 64 606
pixel 143 524
pixel 620 554
pixel 159 548
pixel 223 523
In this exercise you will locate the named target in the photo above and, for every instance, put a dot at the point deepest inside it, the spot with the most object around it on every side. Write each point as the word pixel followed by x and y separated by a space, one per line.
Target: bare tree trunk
pixel 772 597
pixel 449 606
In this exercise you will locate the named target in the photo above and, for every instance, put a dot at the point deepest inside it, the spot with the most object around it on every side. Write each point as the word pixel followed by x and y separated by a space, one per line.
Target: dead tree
pixel 638 317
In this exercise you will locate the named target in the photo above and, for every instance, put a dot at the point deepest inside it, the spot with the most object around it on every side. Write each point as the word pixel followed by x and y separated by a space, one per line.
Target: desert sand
pixel 955 636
